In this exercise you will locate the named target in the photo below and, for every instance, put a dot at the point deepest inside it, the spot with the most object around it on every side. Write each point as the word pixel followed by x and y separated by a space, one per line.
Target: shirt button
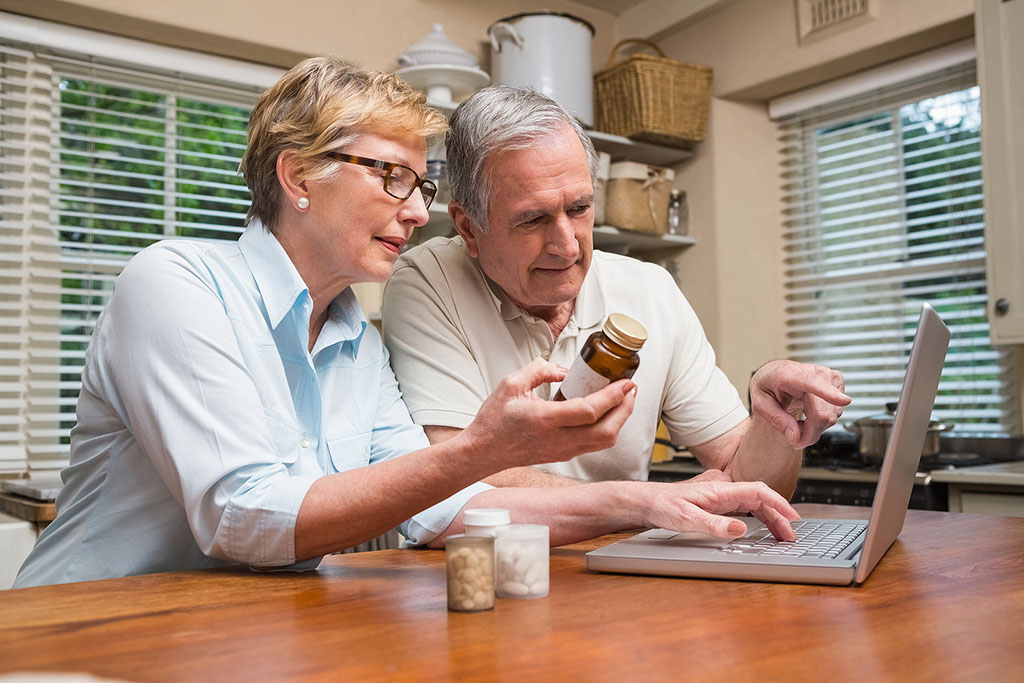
pixel 304 441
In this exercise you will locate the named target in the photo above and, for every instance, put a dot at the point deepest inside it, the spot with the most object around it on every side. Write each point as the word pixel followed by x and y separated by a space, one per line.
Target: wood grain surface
pixel 26 508
pixel 945 604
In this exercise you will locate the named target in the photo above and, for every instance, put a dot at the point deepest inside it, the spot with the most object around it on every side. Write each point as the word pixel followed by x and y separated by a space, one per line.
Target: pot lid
pixel 890 415
pixel 436 48
pixel 541 13
pixel 885 418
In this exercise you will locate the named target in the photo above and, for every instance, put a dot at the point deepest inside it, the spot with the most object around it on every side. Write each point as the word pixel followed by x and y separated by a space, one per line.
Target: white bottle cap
pixel 486 516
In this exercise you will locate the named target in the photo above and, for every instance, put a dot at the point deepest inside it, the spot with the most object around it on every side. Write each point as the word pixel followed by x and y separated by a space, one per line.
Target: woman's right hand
pixel 514 427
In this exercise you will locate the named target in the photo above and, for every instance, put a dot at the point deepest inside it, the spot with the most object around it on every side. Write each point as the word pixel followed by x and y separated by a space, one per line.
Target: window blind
pixel 883 211
pixel 97 161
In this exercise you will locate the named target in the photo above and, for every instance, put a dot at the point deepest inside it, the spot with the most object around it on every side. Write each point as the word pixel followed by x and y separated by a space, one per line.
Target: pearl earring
pixel 303 203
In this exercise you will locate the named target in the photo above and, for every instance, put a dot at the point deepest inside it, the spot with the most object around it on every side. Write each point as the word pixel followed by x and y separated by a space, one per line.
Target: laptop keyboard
pixel 813 539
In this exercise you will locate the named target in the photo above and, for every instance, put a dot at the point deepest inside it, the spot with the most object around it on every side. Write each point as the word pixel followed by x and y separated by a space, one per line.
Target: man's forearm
pixel 764 455
pixel 528 477
pixel 571 514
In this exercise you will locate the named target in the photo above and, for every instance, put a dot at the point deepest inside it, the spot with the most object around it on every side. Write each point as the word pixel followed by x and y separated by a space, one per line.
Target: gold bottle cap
pixel 625 331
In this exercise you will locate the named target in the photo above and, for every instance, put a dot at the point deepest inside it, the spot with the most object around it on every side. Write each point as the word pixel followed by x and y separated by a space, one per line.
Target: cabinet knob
pixel 1002 306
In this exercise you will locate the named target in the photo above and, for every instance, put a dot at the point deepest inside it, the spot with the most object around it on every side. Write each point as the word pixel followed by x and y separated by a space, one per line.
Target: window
pixel 883 211
pixel 97 161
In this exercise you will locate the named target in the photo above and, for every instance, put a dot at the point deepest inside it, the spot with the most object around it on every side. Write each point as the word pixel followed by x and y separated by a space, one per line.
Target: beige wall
pixel 372 34
pixel 733 277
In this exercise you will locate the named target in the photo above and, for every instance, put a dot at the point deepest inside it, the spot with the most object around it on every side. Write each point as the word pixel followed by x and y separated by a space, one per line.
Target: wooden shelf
pixel 624 148
pixel 617 146
pixel 27 509
pixel 608 238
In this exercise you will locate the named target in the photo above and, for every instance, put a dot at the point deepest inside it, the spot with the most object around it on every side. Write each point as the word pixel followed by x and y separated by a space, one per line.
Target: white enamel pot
pixel 548 52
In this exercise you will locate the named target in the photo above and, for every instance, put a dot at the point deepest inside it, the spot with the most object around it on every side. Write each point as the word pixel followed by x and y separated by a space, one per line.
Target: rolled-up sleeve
pixel 395 434
pixel 427 525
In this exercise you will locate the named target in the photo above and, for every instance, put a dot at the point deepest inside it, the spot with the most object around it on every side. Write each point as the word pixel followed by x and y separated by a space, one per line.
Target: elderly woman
pixel 234 396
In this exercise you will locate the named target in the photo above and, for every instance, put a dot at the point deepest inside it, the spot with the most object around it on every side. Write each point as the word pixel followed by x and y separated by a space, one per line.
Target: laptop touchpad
pixel 688 538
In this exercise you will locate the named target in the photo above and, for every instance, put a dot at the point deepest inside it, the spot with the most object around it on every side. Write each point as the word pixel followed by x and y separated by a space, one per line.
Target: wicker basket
pixel 654 99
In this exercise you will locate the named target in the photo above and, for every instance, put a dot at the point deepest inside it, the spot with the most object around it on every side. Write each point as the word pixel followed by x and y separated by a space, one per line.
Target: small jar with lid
pixel 485 521
pixel 610 354
pixel 469 564
pixel 522 552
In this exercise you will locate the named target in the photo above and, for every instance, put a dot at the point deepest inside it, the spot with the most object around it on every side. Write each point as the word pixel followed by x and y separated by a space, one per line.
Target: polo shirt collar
pixel 588 310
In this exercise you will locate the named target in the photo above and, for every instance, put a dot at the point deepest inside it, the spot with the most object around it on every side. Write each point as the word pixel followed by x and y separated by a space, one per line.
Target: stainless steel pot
pixel 873 434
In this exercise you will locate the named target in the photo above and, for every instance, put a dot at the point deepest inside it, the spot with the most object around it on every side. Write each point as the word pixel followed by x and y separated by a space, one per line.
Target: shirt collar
pixel 276 277
pixel 345 322
pixel 281 286
pixel 588 310
pixel 591 308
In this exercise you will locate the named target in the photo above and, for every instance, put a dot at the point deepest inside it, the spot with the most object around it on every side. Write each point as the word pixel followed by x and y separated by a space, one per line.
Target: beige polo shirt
pixel 453 335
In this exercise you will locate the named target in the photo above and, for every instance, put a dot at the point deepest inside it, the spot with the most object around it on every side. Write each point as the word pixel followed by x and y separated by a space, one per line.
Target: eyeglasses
pixel 400 181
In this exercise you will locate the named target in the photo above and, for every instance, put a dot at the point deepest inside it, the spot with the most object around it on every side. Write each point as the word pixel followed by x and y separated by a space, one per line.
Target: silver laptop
pixel 827 551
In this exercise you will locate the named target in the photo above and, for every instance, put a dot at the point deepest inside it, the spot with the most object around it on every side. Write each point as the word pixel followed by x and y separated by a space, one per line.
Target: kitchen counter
pixel 943 604
pixel 685 467
pixel 984 489
pixel 996 489
pixel 1000 474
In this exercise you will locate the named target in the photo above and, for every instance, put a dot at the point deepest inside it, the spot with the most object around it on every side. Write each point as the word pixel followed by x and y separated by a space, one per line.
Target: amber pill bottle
pixel 610 354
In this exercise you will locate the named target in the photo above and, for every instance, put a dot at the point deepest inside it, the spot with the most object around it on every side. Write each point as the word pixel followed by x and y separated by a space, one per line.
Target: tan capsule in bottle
pixel 610 354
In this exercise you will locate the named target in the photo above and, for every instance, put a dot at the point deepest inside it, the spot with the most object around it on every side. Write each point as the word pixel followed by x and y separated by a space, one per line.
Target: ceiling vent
pixel 820 18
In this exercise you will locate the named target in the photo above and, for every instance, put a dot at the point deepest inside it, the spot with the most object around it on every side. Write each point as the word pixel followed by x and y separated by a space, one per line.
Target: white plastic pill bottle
pixel 522 552
pixel 485 521
pixel 469 564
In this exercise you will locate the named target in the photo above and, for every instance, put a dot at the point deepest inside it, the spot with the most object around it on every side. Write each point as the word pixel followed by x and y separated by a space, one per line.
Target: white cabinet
pixel 17 537
pixel 986 502
pixel 996 489
pixel 999 27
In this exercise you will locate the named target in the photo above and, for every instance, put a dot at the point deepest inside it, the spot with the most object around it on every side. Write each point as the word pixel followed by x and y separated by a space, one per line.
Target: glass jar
pixel 469 562
pixel 522 552
pixel 610 354
pixel 678 213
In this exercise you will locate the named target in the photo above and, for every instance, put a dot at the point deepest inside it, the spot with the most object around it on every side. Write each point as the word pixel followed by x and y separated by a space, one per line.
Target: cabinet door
pixel 999 27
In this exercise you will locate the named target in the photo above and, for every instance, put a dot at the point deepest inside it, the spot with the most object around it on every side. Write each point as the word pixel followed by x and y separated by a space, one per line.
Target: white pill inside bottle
pixel 469 564
pixel 522 552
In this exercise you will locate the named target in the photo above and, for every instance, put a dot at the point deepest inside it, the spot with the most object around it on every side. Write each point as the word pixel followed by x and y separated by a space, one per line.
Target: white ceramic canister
pixel 548 52
pixel 522 552
pixel 485 521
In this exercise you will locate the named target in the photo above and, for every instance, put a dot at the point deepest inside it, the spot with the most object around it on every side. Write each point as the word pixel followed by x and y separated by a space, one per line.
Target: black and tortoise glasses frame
pixel 400 181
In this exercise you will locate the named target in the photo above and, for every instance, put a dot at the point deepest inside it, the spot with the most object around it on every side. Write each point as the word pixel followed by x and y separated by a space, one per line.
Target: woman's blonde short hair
pixel 320 105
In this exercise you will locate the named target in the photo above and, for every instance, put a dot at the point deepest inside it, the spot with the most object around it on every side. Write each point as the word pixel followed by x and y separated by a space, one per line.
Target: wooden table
pixel 41 512
pixel 946 603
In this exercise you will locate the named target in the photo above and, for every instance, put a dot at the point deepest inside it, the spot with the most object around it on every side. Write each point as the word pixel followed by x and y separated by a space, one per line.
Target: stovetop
pixel 838 452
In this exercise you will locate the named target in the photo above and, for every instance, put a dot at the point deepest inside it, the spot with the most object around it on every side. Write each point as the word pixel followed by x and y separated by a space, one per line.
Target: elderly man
pixel 522 280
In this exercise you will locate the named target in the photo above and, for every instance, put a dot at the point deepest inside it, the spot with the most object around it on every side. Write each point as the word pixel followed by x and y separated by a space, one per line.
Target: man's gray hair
pixel 498 119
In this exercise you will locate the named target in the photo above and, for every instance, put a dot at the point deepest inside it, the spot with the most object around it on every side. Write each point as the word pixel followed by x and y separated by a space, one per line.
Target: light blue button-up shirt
pixel 203 418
